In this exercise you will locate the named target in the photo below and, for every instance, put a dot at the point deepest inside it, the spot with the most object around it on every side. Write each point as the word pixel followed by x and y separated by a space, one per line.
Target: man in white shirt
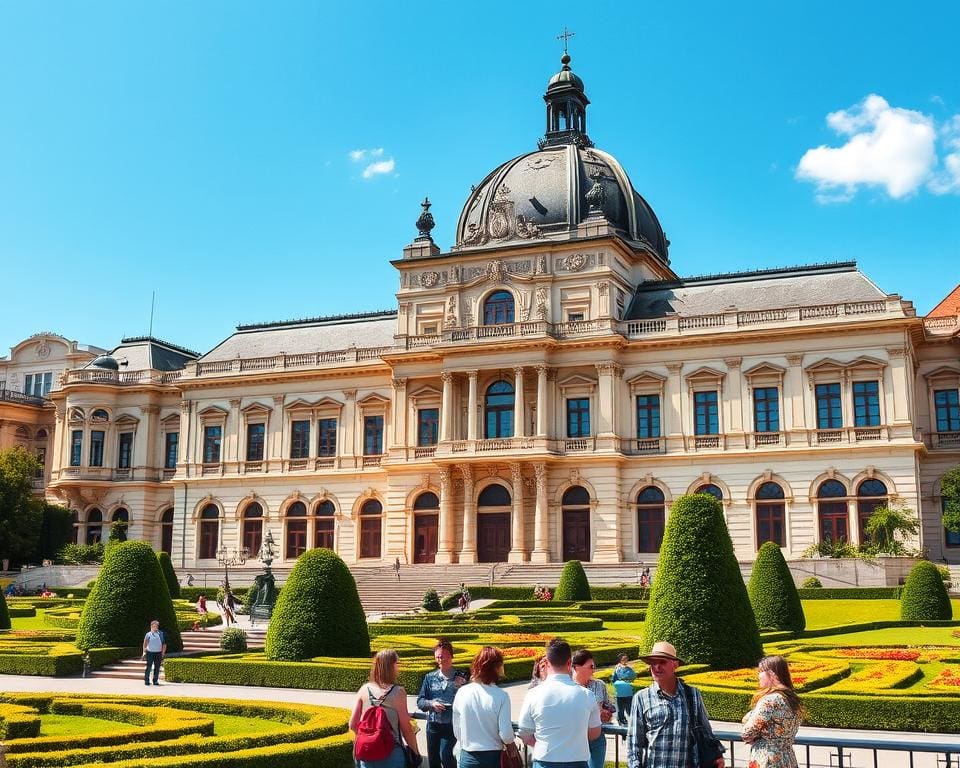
pixel 559 717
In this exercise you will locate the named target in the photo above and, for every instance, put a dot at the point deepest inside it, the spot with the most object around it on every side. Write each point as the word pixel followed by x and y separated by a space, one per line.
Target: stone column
pixel 518 412
pixel 900 392
pixel 399 413
pixel 468 549
pixel 274 443
pixel 518 549
pixel 472 406
pixel 445 535
pixel 543 409
pixel 673 408
pixel 794 390
pixel 348 431
pixel 186 438
pixel 735 397
pixel 232 432
pixel 146 439
pixel 605 430
pixel 541 539
pixel 446 407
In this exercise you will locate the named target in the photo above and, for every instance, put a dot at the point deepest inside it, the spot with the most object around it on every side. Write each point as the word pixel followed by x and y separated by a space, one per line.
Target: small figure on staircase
pixel 396 567
pixel 202 611
pixel 464 601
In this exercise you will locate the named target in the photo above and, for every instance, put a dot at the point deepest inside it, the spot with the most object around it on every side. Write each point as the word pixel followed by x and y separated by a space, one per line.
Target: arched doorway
pixel 871 494
pixel 832 511
pixel 296 525
pixel 493 524
pixel 371 528
pixel 651 519
pixel 426 527
pixel 252 532
pixel 324 525
pixel 166 532
pixel 576 524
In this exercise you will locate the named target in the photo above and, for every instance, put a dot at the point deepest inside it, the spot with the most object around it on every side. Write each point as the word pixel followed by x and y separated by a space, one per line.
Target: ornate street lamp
pixel 230 557
pixel 267 551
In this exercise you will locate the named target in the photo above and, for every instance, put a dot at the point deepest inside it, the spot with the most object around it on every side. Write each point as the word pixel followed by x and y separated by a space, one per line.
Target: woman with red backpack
pixel 380 718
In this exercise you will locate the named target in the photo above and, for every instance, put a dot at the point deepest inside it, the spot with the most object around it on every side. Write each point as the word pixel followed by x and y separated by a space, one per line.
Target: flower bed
pixel 880 676
pixel 807 675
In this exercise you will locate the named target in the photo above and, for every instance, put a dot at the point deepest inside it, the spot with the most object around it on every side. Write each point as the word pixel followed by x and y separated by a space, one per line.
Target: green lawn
pixel 835 613
pixel 74 725
pixel 234 725
pixel 912 636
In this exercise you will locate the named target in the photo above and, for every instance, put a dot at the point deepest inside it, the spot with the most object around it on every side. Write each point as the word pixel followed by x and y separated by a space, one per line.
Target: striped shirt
pixel 659 733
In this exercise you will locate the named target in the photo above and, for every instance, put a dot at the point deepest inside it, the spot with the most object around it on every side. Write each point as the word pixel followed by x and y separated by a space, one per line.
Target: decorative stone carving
pixel 425 222
pixel 43 350
pixel 450 321
pixel 399 383
pixel 540 265
pixel 733 362
pixel 429 279
pixel 541 302
pixel 516 473
pixel 602 288
pixel 575 476
pixel 539 162
pixel 540 471
pixel 794 359
pixel 527 230
pixel 576 262
pixel 496 273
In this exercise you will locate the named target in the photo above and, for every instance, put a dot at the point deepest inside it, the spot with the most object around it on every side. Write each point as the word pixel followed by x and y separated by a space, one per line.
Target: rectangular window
pixel 578 417
pixel 574 317
pixel 327 437
pixel 76 447
pixel 766 409
pixel 41 462
pixel 28 384
pixel 255 436
pixel 648 416
pixel 706 417
pixel 96 448
pixel 171 442
pixel 299 439
pixel 372 435
pixel 866 403
pixel 47 383
pixel 125 450
pixel 947 404
pixel 428 426
pixel 829 409
pixel 212 436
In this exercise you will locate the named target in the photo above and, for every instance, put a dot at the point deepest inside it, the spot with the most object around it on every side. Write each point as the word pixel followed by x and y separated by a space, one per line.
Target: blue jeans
pixel 564 764
pixel 484 759
pixel 623 708
pixel 440 741
pixel 153 660
pixel 395 759
pixel 598 751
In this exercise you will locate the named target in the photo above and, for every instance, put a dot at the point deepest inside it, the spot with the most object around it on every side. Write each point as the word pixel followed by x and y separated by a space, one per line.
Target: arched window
pixel 498 407
pixel 771 510
pixel 712 490
pixel 324 525
pixel 576 524
pixel 871 494
pixel 252 532
pixel 371 526
pixel 498 308
pixel 94 526
pixel 41 435
pixel 426 527
pixel 832 511
pixel 209 532
pixel 651 516
pixel 494 496
pixel 99 415
pixel 120 515
pixel 166 532
pixel 296 530
pixel 76 526
pixel 426 501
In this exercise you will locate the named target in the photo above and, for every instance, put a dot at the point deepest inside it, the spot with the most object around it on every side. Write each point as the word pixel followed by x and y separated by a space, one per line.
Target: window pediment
pixel 945 374
pixel 127 420
pixel 299 405
pixel 647 381
pixel 865 362
pixel 213 412
pixel 705 377
pixel 374 400
pixel 765 369
pixel 827 365
pixel 255 409
pixel 577 381
pixel 328 403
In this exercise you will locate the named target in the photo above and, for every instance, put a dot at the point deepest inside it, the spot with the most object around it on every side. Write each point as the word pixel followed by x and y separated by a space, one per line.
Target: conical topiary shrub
pixel 169 574
pixel 699 601
pixel 129 593
pixel 924 597
pixel 318 612
pixel 4 612
pixel 773 595
pixel 573 583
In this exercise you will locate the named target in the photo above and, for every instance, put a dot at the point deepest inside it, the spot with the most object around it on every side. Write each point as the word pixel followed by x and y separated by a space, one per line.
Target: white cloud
pixel 947 179
pixel 373 167
pixel 378 168
pixel 888 147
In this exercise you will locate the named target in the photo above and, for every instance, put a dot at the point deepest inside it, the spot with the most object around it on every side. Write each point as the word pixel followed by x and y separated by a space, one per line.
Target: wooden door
pixel 576 534
pixel 426 530
pixel 493 537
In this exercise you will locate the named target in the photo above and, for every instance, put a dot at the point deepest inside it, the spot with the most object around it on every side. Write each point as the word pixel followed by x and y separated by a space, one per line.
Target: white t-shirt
pixel 558 713
pixel 481 718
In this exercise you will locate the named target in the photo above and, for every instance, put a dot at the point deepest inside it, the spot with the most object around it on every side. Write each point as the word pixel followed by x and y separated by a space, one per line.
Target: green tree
pixel 169 575
pixel 4 612
pixel 129 593
pixel 56 530
pixel 924 596
pixel 21 513
pixel 318 612
pixel 950 495
pixel 699 601
pixel 773 594
pixel 889 526
pixel 573 584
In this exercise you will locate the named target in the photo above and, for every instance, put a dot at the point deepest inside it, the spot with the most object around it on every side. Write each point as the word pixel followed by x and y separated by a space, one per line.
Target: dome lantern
pixel 566 106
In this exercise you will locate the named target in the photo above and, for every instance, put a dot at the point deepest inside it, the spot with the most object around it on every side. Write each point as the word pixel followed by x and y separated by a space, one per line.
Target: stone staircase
pixel 548 574
pixel 380 592
pixel 193 642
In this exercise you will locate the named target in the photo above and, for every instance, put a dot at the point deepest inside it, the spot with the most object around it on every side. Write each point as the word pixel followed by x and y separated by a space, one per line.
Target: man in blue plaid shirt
pixel 660 733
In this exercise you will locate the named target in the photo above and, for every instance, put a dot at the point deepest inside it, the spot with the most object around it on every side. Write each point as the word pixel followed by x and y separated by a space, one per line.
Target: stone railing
pixel 940 326
pixel 945 440
pixel 106 376
pixel 283 361
pixel 9 396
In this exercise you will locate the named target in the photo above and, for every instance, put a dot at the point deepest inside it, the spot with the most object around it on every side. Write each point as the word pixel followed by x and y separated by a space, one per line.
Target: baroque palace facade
pixel 542 392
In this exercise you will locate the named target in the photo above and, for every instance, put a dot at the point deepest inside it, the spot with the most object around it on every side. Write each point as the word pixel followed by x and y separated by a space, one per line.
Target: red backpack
pixel 375 739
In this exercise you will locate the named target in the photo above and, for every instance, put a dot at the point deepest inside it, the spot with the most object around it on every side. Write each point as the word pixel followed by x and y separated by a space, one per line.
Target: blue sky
pixel 203 150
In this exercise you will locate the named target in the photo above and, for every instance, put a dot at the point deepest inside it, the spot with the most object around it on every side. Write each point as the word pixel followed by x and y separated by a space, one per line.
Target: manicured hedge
pixel 573 584
pixel 169 575
pixel 924 596
pixel 427 625
pixel 773 595
pixel 22 612
pixel 483 592
pixel 18 722
pixel 4 613
pixel 850 593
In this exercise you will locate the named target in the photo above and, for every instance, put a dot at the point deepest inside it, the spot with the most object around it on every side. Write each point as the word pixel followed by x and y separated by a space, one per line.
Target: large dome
pixel 548 193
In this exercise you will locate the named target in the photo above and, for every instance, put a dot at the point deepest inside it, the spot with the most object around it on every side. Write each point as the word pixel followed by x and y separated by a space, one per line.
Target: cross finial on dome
pixel 425 223
pixel 565 36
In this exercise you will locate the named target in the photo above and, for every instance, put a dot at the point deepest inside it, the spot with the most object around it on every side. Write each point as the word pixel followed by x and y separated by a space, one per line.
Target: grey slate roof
pixel 146 352
pixel 298 337
pixel 766 289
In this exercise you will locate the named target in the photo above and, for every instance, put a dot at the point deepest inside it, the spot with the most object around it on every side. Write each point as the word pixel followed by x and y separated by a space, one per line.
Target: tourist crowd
pixel 469 718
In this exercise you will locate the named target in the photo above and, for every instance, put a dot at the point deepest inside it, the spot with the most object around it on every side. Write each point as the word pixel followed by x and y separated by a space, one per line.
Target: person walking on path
pixel 772 722
pixel 584 666
pixel 154 649
pixel 396 567
pixel 622 679
pixel 481 713
pixel 559 718
pixel 437 693
pixel 202 610
pixel 383 691
pixel 660 731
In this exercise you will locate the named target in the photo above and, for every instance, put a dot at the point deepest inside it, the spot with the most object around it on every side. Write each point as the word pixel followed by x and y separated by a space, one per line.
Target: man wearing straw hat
pixel 660 731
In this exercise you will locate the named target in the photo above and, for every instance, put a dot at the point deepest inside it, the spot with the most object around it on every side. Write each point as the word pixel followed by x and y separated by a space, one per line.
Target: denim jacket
pixel 436 687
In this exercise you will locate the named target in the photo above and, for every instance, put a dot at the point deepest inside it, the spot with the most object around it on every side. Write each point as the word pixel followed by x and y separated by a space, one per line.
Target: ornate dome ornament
pixel 597 196
pixel 425 222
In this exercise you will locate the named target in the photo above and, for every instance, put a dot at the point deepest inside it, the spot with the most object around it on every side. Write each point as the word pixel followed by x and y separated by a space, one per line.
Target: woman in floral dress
pixel 771 725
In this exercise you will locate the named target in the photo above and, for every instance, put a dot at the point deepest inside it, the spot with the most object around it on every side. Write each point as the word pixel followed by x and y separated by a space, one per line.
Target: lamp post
pixel 226 558
pixel 267 551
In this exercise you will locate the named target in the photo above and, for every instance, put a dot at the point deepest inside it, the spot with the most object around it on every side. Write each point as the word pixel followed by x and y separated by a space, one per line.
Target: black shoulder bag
pixel 709 749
